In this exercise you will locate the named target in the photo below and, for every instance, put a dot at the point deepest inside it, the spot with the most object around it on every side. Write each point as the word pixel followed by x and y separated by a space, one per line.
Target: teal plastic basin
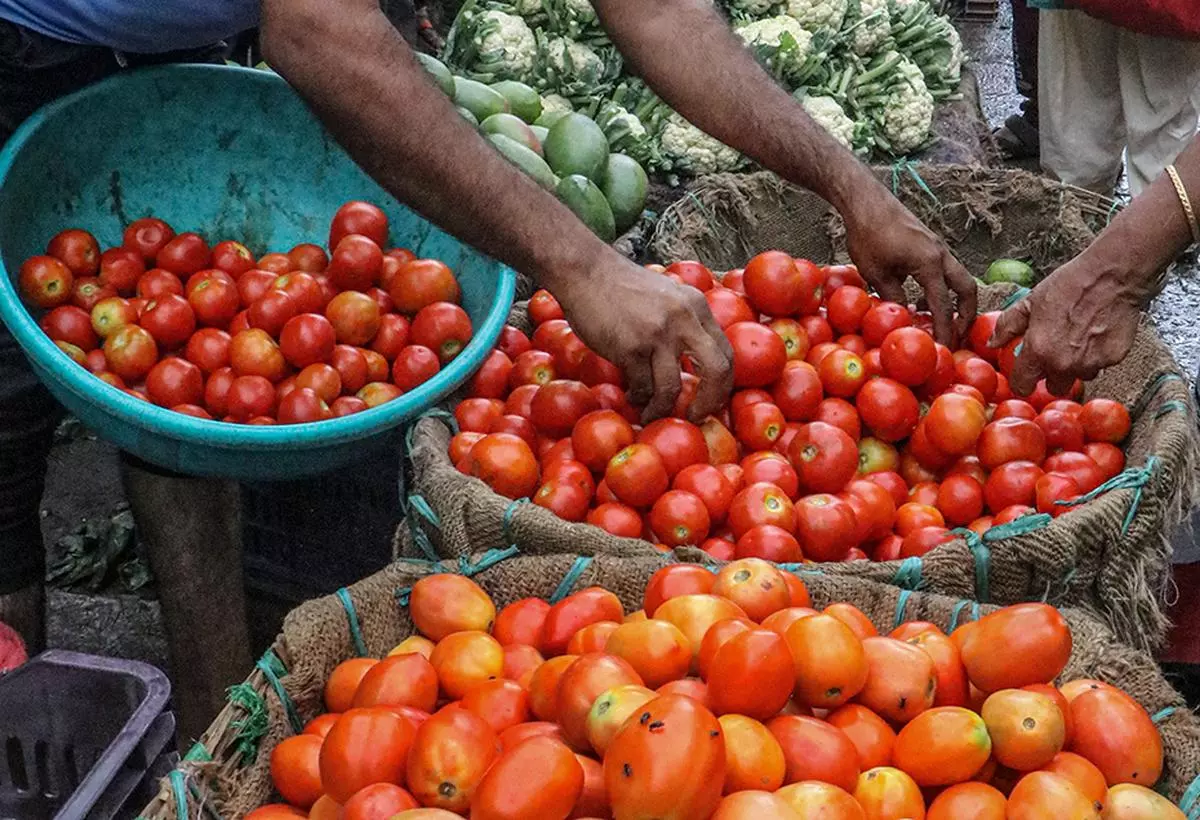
pixel 233 154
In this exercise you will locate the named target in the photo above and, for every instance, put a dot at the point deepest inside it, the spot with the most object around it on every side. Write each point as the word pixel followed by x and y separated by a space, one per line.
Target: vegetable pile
pixel 567 153
pixel 216 334
pixel 869 71
pixel 852 434
pixel 726 696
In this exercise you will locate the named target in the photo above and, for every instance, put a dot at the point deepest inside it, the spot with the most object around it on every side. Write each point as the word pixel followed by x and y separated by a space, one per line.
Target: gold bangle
pixel 1186 202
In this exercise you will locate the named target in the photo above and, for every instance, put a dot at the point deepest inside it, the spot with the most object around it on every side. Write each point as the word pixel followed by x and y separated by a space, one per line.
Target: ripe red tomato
pixel 816 750
pixel 923 539
pixel 888 408
pixel 1052 488
pixel 769 542
pixel 183 255
pixel 422 282
pixel 960 498
pixel 842 373
pixel 120 268
pixel 876 511
pixel 477 415
pixel 678 518
pixel 307 339
pixel 414 366
pixel 532 367
pixel 728 307
pixel 1063 431
pixel 216 391
pixel 271 311
pixel 1010 439
pixel 761 504
pixel 909 356
pixel 374 394
pixel 254 353
pixel 692 273
pixel 774 284
pixel 617 519
pixel 981 330
pixel 175 381
pixel 355 317
pixel 1079 466
pixel 88 290
pixel 598 436
pixel 881 320
pixel 637 475
pixel 817 353
pixel 308 293
pixel 77 250
pixel 322 379
pixel 824 456
pixel 214 301
pixel 46 281
pixel 147 237
pixel 367 746
pixel 356 263
pixel 171 321
pixel 772 468
pixel 443 327
pixel 351 366
pixel 759 355
pixel 1105 420
pixel 491 379
pixel 795 338
pixel 506 464
pixel 678 442
pixel 310 258
pixel 977 373
pixel 1108 457
pixel 392 335
pixel 358 217
pixel 232 257
pixel 1010 484
pixel 826 527
pixel 130 352
pixel 954 423
pixel 758 426
pixel 557 406
pixel 157 283
pixel 798 391
pixel 302 405
pixel 846 307
pixel 841 414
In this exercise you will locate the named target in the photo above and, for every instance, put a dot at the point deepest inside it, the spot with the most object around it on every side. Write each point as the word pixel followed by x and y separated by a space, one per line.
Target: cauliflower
pixel 585 64
pixel 907 116
pixel 556 104
pixel 871 23
pixel 816 14
pixel 830 116
pixel 506 45
pixel 751 8
pixel 690 149
pixel 780 42
pixel 582 10
pixel 527 8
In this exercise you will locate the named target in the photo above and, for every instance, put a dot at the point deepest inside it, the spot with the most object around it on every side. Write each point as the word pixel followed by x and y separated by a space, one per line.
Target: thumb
pixel 1011 324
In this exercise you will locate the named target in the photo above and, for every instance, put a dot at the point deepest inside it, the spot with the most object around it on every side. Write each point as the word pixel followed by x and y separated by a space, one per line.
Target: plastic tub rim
pixel 52 363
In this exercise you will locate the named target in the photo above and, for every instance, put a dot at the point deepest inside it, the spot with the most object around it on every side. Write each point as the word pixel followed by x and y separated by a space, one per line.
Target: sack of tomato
pixel 566 685
pixel 879 445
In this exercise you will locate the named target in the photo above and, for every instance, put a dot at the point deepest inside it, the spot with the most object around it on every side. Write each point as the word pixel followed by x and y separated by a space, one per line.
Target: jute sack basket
pixel 228 774
pixel 1110 556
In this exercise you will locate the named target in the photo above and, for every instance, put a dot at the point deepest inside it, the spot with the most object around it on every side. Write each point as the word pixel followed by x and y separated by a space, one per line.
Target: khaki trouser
pixel 1102 90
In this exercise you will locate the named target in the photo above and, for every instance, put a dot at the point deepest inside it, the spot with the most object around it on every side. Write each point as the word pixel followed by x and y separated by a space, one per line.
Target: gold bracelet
pixel 1185 202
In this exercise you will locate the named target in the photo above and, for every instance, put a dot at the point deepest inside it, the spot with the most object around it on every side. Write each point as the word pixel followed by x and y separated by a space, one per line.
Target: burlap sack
pixel 322 633
pixel 1110 556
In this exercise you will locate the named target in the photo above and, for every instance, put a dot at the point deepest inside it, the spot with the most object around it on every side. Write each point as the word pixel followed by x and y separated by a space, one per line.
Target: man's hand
pixel 1077 321
pixel 644 323
pixel 889 244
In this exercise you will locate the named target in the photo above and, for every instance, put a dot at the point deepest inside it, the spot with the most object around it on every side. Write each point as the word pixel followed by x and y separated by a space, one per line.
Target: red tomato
pixel 422 282
pixel 909 356
pixel 309 257
pixel 543 307
pixel 249 397
pixel 121 268
pixel 888 408
pixel 881 320
pixel 302 405
pixel 841 414
pixel 795 338
pixel 815 750
pixel 1011 483
pixel 505 463
pixel 1063 431
pixel 214 301
pixel 761 504
pixel 709 485
pixel 798 391
pixel 1105 420
pixel 88 290
pixel 878 511
pixel 758 426
pixel 365 746
pixel 954 423
pixel 751 674
pixel 759 355
pixel 960 498
pixel 728 307
pixel 678 442
pixel 826 526
pixel 1080 467
pixel 184 254
pixel 171 321
pixel 147 237
pixel 356 263
pixel 443 327
pixel 679 518
pixel 846 308
pixel 557 406
pixel 978 374
pixel 772 468
pixel 532 367
pixel 1052 488
pixel 824 456
pixel 923 539
pixel 174 381
pixel 355 317
pixel 131 353
pixel 414 366
pixel 1108 457
pixel 842 373
pixel 361 218
pixel 449 756
pixel 232 257
pixel 307 339
pixel 1011 439
pixel 617 519
pixel 568 616
pixel 637 475
pixel 774 284
pixel 46 281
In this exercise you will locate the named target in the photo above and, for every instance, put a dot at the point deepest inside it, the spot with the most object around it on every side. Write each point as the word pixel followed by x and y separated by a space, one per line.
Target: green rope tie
pixel 1163 714
pixel 271 667
pixel 1189 804
pixel 569 580
pixel 360 646
pixel 983 562
pixel 422 508
pixel 179 792
pixel 1148 395
pixel 1134 478
pixel 198 754
pixel 956 613
pixel 908 575
pixel 507 519
pixel 1173 406
pixel 901 605
pixel 1024 525
pixel 462 566
pixel 432 413
pixel 417 506
pixel 1016 296
pixel 251 728
pixel 911 167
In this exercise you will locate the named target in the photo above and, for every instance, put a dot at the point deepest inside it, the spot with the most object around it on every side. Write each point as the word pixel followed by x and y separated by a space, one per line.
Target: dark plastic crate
pixel 304 539
pixel 83 737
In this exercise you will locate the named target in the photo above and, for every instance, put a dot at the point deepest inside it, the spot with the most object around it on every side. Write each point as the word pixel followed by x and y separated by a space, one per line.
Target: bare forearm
pixel 689 55
pixel 359 76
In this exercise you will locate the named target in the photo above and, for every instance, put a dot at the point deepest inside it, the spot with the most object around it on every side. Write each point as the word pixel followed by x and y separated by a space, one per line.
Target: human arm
pixel 687 53
pixel 355 71
pixel 1083 317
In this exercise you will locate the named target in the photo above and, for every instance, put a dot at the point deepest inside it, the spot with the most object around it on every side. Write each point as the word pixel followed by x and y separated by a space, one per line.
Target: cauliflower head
pixel 908 113
pixel 817 14
pixel 692 150
pixel 508 45
pixel 556 104
pixel 586 64
pixel 830 116
pixel 753 8
pixel 872 23
pixel 582 10
pixel 526 8
pixel 769 32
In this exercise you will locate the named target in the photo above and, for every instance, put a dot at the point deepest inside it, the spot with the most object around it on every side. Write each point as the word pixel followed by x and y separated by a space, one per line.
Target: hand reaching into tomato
pixel 644 323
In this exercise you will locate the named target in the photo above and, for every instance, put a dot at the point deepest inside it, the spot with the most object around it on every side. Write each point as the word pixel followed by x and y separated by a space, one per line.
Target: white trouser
pixel 1102 89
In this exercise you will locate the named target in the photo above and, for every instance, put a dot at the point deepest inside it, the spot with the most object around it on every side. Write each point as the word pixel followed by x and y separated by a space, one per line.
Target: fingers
pixel 890 289
pixel 938 296
pixel 1027 369
pixel 1059 384
pixel 1011 324
pixel 640 377
pixel 714 361
pixel 965 288
pixel 664 363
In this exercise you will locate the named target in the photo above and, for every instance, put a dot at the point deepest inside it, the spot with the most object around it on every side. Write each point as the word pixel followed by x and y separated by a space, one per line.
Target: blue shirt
pixel 134 26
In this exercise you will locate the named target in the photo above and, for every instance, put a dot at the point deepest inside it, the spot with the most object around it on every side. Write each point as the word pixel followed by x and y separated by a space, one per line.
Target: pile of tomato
pixel 726 696
pixel 852 434
pixel 214 333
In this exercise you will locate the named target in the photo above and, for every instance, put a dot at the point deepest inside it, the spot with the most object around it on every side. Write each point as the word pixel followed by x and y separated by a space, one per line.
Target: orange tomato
pixel 321 724
pixel 1016 646
pixel 693 615
pixel 889 794
pixel 797 591
pixel 1027 728
pixel 1073 689
pixel 717 636
pixel 1080 771
pixel 753 805
pixel 296 769
pixel 656 650
pixel 968 801
pixel 520 660
pixel 277 811
pixel 814 800
pixel 951 674
pixel 502 703
pixel 523 731
pixel 828 659
pixel 593 800
pixel 871 735
pixel 521 622
pixel 444 603
pixel 426 814
pixel 543 686
pixel 784 618
pixel 449 756
pixel 693 688
pixel 755 585
pixel 751 675
pixel 911 629
pixel 942 746
pixel 610 711
pixel 376 802
pixel 1127 801
pixel 1059 699
pixel 365 746
pixel 413 643
pixel 669 763
pixel 539 778
pixel 323 809
pixel 852 617
pixel 399 680
pixel 464 659
pixel 1115 733
pixel 753 757
pixel 675 580
pixel 573 613
pixel 1041 795
pixel 902 680
pixel 815 750
pixel 343 682
pixel 589 677
pixel 592 638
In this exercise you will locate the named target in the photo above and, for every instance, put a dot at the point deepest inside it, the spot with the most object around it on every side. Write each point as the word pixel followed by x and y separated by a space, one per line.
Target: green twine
pixel 901 605
pixel 198 753
pixel 422 508
pixel 271 667
pixel 1175 405
pixel 507 519
pixel 432 413
pixel 911 167
pixel 956 613
pixel 1163 714
pixel 251 728
pixel 1016 296
pixel 1148 395
pixel 418 505
pixel 1024 525
pixel 573 574
pixel 1134 478
pixel 360 646
pixel 179 792
pixel 983 562
pixel 1189 804
pixel 908 575
pixel 462 566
